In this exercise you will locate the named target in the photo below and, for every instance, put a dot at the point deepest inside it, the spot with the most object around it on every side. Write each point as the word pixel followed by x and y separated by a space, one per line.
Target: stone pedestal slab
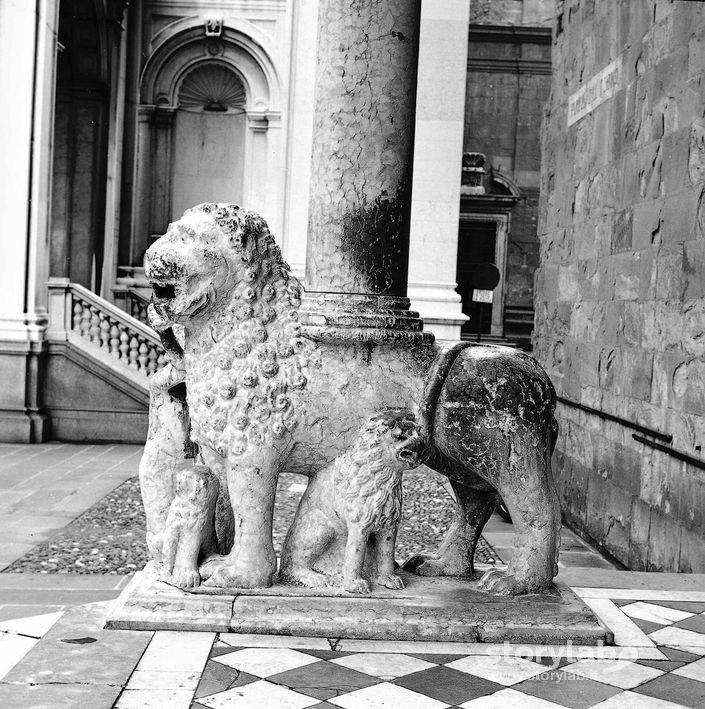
pixel 429 609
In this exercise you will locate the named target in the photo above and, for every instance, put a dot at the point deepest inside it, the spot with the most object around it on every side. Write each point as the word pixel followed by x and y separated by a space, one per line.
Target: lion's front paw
pixel 220 574
pixel 185 578
pixel 356 585
pixel 504 584
pixel 390 581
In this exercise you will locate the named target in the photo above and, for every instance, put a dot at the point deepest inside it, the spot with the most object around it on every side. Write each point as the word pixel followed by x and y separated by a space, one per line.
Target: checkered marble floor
pixel 658 663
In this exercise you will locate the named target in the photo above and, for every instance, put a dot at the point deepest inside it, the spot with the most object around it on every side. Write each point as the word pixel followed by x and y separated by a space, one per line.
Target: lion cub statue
pixel 355 500
pixel 190 527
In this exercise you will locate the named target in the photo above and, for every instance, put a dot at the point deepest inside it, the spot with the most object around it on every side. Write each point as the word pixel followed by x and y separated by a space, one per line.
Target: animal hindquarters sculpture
pixel 265 396
pixel 357 496
pixel 490 411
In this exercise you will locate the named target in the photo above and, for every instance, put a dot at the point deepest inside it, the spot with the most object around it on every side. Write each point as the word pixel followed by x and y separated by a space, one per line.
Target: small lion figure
pixel 190 526
pixel 356 499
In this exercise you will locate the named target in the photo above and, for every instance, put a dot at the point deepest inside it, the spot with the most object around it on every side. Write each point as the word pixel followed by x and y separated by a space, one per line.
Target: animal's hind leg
pixel 309 537
pixel 533 503
pixel 474 502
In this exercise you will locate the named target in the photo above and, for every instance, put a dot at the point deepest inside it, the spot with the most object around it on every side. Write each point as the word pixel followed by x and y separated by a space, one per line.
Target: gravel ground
pixel 109 538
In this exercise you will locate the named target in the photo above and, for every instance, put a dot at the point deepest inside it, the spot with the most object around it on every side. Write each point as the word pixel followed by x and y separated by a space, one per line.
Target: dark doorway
pixel 476 244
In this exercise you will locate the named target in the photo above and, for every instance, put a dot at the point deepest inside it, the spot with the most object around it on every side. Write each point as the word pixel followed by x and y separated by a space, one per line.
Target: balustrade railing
pixel 137 305
pixel 92 320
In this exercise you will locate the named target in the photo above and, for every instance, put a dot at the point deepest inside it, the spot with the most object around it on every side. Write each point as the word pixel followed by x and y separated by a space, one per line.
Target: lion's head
pixel 218 272
pixel 204 257
pixel 368 476
pixel 392 438
pixel 196 485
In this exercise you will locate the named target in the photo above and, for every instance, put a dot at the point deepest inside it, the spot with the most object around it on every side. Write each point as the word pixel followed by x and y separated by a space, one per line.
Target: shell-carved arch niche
pixel 207 110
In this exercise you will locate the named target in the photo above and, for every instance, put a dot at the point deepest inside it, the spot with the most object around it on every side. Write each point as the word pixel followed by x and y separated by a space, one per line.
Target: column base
pixel 440 306
pixel 21 420
pixel 23 426
pixel 384 319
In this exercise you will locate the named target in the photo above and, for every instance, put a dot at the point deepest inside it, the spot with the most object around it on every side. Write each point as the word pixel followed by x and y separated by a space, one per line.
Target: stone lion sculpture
pixel 189 534
pixel 167 443
pixel 357 496
pixel 265 395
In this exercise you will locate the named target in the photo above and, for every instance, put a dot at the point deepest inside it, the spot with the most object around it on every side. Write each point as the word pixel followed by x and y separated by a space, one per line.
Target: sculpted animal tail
pixel 445 359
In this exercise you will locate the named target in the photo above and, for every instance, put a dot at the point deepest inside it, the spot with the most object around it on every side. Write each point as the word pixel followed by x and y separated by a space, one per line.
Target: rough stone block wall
pixel 620 291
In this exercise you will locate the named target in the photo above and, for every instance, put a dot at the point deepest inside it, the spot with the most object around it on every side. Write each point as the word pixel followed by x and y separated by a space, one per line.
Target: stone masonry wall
pixel 620 292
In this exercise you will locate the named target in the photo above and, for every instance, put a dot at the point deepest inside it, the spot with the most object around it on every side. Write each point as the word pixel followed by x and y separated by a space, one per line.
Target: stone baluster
pixel 85 322
pixel 104 331
pixel 115 340
pixel 143 356
pixel 133 353
pixel 77 315
pixel 153 361
pixel 94 325
pixel 124 343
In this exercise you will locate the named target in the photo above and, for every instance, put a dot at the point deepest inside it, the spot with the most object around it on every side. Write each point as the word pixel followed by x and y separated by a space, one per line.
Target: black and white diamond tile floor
pixel 658 663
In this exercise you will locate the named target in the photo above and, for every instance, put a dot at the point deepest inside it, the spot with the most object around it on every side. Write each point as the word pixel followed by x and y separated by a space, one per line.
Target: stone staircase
pixel 99 360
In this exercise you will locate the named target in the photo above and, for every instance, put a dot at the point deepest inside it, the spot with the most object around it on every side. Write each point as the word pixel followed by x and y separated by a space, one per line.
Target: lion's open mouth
pixel 408 457
pixel 165 291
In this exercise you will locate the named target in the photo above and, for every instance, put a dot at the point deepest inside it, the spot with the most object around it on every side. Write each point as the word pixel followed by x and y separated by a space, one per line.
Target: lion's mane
pixel 253 360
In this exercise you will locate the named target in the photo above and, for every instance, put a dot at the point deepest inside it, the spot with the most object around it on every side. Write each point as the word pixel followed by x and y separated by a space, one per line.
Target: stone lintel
pixel 429 609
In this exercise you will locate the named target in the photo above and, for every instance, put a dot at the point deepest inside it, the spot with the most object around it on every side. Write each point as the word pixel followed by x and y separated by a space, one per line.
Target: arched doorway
pixel 209 137
pixel 207 129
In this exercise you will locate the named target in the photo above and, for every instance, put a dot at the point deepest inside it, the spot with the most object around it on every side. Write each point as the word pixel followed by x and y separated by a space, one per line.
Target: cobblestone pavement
pixel 110 536
pixel 44 487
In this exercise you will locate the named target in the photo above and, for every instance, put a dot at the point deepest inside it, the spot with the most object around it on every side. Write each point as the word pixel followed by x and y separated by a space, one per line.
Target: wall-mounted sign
pixel 596 91
pixel 482 296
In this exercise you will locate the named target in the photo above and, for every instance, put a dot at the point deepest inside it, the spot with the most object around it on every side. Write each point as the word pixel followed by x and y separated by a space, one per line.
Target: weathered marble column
pixel 360 203
pixel 362 151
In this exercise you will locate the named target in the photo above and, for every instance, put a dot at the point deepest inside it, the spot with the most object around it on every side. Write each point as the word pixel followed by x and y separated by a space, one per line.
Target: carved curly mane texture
pixel 252 359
